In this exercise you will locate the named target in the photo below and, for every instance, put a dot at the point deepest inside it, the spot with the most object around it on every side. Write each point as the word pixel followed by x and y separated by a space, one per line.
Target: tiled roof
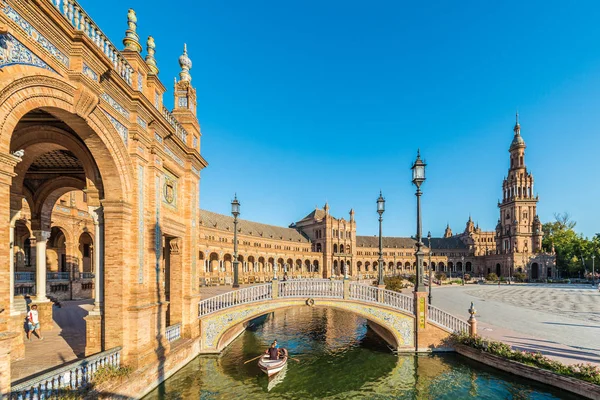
pixel 317 213
pixel 225 223
pixel 453 242
pixel 388 242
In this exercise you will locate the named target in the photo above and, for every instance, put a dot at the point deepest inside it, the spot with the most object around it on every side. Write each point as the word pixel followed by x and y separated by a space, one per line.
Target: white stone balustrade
pixel 243 296
pixel 73 376
pixel 179 130
pixel 74 13
pixel 448 321
pixel 173 332
pixel 312 288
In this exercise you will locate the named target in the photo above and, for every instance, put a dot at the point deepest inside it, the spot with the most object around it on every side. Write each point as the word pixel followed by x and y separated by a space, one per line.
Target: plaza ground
pixel 560 321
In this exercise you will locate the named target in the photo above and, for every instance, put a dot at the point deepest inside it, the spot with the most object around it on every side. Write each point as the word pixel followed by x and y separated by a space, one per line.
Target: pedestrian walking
pixel 33 323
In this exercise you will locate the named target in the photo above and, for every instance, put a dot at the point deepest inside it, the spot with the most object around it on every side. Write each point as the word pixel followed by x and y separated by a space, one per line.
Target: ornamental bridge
pixel 390 314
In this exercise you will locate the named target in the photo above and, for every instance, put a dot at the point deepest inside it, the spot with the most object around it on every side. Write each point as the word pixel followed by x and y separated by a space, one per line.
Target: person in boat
pixel 273 351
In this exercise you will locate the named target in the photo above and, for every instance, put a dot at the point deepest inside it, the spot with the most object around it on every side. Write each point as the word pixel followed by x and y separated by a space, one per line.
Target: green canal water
pixel 338 358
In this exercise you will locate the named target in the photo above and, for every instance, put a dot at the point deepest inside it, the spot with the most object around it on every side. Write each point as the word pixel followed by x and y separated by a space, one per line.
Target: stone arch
pixel 227 262
pixel 47 196
pixel 216 331
pixel 213 262
pixel 85 247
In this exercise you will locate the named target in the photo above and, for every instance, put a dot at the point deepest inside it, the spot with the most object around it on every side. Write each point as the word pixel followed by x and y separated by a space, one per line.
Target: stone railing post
pixel 346 289
pixel 472 321
pixel 275 289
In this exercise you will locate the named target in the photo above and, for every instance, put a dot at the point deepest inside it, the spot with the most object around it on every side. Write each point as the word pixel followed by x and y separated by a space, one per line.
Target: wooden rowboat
pixel 271 367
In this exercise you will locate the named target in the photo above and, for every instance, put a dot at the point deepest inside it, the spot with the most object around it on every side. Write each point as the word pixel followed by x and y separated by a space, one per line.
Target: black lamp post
pixel 430 273
pixel 235 211
pixel 462 270
pixel 418 174
pixel 380 210
pixel 593 270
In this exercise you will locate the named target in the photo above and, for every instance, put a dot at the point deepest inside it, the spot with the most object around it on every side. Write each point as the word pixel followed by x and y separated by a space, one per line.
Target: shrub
pixel 491 277
pixel 585 372
pixel 440 276
pixel 109 373
pixel 520 277
pixel 467 277
pixel 394 283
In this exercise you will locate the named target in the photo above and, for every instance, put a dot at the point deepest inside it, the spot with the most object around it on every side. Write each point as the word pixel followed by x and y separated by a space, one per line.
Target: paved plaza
pixel 560 321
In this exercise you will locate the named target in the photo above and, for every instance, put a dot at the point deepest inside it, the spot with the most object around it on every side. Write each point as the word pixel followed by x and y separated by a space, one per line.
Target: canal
pixel 338 357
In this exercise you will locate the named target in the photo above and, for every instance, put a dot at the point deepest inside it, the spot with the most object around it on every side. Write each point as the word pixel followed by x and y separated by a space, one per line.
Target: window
pixel 86 250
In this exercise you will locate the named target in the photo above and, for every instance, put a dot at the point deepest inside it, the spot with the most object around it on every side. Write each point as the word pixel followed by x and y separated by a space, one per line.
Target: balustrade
pixel 73 376
pixel 87 275
pixel 24 276
pixel 79 19
pixel 57 276
pixel 311 288
pixel 173 332
pixel 230 299
pixel 179 129
pixel 447 321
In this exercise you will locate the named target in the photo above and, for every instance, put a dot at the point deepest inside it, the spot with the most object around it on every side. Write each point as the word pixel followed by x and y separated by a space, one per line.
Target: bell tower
pixel 518 229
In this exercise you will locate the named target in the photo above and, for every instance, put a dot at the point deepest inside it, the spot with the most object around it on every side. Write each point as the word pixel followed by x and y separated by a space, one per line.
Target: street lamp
pixel 593 271
pixel 235 211
pixel 430 273
pixel 462 270
pixel 418 175
pixel 380 211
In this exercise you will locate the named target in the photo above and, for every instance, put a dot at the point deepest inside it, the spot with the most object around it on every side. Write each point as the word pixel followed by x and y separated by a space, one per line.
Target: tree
pixel 573 251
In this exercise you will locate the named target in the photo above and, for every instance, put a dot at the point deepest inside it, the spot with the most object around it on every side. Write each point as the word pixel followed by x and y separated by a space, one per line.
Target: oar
pixel 246 362
pixel 295 359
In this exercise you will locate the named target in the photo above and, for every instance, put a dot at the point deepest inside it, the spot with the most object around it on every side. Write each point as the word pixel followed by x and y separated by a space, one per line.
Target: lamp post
pixel 593 271
pixel 430 273
pixel 462 270
pixel 235 211
pixel 418 174
pixel 380 211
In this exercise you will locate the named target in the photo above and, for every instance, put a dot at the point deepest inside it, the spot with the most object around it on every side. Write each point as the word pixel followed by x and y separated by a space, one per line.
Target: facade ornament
pixel 150 48
pixel 186 64
pixel 132 40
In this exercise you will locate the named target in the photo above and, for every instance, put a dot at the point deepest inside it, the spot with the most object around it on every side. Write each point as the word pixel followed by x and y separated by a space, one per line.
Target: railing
pixel 173 332
pixel 57 276
pixel 72 376
pixel 24 276
pixel 243 296
pixel 447 321
pixel 179 130
pixel 312 288
pixel 74 13
pixel 87 275
pixel 385 297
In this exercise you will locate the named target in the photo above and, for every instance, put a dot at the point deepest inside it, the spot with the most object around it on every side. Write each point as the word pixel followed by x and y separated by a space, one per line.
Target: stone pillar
pixel 421 308
pixel 176 281
pixel 11 260
pixel 346 289
pixel 275 289
pixel 5 349
pixel 41 239
pixel 98 262
pixel 472 321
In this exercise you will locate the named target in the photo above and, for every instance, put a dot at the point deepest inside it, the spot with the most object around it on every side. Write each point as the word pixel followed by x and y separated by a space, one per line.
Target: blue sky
pixel 303 102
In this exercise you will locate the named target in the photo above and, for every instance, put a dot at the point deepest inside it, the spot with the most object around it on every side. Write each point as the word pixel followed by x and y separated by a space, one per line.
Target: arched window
pixel 335 248
pixel 319 249
pixel 341 248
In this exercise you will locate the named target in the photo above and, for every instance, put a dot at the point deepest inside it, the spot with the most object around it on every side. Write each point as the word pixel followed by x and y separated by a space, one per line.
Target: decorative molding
pixel 115 105
pixel 123 131
pixel 87 71
pixel 173 156
pixel 141 122
pixel 35 35
pixel 140 224
pixel 14 52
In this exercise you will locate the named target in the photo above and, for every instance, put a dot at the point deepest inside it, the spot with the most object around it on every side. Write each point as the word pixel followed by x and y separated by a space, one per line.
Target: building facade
pixel 100 186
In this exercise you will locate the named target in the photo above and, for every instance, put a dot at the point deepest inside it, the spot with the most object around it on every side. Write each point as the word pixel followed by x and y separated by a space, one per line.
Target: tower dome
pixel 186 64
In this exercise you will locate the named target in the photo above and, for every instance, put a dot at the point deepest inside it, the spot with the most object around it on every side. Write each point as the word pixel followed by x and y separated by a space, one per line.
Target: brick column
pixel 14 215
pixel 93 321
pixel 5 349
pixel 176 281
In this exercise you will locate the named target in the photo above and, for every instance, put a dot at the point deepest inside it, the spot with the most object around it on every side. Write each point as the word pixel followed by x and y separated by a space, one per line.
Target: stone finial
pixel 132 40
pixel 150 47
pixel 186 64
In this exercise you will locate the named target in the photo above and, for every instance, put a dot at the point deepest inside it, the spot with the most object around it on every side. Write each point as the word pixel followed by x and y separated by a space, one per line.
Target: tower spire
pixel 186 64
pixel 132 40
pixel 517 128
pixel 150 47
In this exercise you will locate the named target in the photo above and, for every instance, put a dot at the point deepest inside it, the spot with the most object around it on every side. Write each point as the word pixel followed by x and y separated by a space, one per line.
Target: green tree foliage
pixel 573 251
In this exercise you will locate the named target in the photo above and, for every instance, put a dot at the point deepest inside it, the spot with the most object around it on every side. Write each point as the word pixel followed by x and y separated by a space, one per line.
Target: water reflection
pixel 339 358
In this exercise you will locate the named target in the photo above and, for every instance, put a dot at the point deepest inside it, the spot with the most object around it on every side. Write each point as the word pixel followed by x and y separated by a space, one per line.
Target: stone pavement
pixel 560 321
pixel 64 343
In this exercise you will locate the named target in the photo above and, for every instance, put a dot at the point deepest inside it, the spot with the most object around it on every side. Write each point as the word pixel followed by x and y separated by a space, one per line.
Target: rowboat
pixel 271 367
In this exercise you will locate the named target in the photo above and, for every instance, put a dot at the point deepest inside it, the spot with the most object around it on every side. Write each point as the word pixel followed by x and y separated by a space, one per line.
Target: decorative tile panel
pixel 123 131
pixel 183 102
pixel 170 190
pixel 35 35
pixel 141 122
pixel 195 170
pixel 156 100
pixel 140 224
pixel 87 71
pixel 173 156
pixel 115 105
pixel 158 137
pixel 14 52
pixel 140 80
